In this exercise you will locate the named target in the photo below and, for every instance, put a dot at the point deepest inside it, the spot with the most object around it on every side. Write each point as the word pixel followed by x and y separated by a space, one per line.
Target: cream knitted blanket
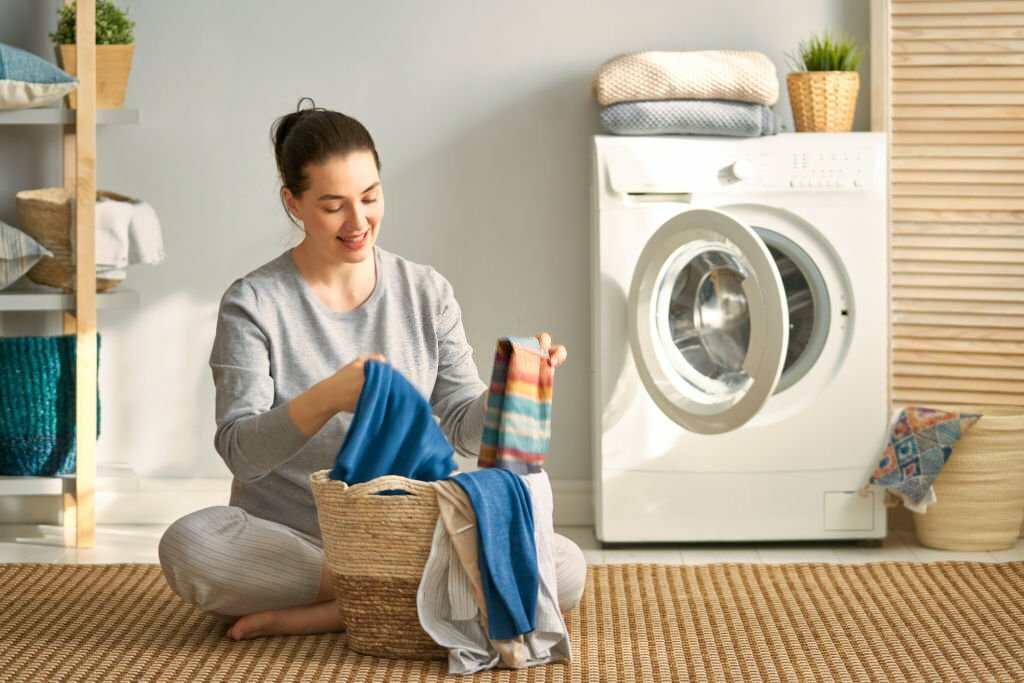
pixel 709 75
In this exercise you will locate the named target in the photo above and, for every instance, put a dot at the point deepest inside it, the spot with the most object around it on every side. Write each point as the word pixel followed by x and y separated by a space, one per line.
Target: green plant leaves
pixel 826 53
pixel 113 27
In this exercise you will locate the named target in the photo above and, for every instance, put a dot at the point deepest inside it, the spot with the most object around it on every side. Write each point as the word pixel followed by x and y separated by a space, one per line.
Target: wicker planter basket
pixel 45 214
pixel 980 489
pixel 113 65
pixel 376 547
pixel 823 101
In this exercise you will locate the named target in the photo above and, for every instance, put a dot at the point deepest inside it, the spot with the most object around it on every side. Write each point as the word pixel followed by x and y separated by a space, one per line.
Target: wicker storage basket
pixel 376 547
pixel 823 101
pixel 45 214
pixel 37 406
pixel 980 489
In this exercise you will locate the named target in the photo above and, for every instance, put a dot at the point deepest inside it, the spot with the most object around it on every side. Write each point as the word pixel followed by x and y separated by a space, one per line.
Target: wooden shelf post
pixel 84 505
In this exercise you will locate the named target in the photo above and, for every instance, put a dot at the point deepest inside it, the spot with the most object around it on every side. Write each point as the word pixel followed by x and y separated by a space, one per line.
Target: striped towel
pixel 517 418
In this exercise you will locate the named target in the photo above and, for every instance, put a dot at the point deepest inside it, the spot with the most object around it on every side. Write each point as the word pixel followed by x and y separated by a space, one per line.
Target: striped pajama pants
pixel 230 563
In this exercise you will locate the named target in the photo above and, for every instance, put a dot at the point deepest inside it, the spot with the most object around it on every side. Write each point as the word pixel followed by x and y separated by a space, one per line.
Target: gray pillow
pixel 18 253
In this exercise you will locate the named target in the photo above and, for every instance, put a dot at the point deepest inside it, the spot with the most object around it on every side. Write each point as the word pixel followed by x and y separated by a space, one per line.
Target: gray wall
pixel 482 114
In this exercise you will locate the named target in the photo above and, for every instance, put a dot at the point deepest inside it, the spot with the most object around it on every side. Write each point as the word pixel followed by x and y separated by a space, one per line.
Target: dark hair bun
pixel 312 135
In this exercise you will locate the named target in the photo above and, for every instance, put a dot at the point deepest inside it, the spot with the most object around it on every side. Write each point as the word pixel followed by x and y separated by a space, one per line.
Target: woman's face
pixel 342 208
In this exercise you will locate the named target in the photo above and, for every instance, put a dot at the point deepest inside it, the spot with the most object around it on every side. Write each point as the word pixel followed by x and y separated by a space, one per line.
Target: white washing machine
pixel 739 336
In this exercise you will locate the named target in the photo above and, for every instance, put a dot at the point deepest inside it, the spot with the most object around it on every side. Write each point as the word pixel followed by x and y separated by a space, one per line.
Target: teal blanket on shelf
pixel 37 405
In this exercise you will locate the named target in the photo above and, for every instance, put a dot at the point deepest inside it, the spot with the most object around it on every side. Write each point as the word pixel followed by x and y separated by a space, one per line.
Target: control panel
pixel 801 170
pixel 829 169
pixel 649 169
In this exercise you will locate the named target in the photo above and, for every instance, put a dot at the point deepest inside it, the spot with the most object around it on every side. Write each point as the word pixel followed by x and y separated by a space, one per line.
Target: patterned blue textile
pixel 920 442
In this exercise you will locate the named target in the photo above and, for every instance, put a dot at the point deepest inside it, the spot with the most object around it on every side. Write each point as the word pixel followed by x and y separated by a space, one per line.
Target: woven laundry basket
pixel 45 214
pixel 823 101
pixel 980 489
pixel 376 547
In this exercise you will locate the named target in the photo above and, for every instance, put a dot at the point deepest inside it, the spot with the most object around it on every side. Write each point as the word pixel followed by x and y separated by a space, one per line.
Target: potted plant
pixel 114 49
pixel 824 83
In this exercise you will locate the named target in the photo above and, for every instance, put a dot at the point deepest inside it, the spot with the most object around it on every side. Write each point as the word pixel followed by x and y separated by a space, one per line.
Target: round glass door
pixel 709 321
pixel 807 303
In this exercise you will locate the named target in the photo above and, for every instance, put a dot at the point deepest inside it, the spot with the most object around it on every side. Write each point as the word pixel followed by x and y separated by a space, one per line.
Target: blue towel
pixel 392 432
pixel 508 552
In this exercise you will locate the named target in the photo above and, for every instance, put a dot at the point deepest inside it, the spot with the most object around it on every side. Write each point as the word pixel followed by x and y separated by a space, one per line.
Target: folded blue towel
pixel 508 552
pixel 690 117
pixel 392 432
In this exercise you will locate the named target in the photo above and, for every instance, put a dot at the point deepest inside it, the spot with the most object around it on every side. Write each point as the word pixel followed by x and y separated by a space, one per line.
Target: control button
pixel 742 169
pixel 857 182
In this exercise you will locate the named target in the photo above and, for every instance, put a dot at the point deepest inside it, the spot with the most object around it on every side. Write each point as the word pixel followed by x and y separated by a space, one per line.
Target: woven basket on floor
pixel 980 489
pixel 45 214
pixel 376 547
pixel 823 101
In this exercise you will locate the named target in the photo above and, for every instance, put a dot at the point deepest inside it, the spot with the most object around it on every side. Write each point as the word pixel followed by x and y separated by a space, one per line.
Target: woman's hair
pixel 312 136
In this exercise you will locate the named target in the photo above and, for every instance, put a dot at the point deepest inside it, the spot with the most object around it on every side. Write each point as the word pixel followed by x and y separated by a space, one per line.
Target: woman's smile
pixel 355 241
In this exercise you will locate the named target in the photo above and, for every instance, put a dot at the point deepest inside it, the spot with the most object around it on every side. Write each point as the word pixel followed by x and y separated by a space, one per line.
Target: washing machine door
pixel 708 321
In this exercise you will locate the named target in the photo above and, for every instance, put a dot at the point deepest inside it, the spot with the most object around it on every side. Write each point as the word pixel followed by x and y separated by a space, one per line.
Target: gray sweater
pixel 275 339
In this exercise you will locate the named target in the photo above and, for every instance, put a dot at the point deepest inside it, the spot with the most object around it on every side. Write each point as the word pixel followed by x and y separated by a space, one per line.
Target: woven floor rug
pixel 892 621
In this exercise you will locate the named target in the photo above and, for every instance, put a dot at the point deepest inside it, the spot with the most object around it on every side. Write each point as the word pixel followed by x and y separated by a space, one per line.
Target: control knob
pixel 742 169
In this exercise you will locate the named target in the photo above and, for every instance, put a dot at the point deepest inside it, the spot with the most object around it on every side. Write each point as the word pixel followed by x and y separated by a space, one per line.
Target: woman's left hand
pixel 556 352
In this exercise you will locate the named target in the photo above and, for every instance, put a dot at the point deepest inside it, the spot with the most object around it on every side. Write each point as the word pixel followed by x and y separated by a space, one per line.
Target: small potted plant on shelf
pixel 115 40
pixel 824 83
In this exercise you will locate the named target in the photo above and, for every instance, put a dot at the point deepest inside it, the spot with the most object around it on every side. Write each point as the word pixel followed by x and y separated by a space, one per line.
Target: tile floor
pixel 128 543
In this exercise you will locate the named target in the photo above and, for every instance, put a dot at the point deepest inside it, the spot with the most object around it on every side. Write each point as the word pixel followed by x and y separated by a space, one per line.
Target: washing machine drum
pixel 709 323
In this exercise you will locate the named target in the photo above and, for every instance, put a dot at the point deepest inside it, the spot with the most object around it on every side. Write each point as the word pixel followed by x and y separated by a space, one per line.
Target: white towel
pixel 113 219
pixel 127 233
pixel 145 242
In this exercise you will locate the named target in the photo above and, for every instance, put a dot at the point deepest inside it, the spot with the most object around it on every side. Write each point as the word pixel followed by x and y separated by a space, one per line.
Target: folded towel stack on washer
pixel 713 92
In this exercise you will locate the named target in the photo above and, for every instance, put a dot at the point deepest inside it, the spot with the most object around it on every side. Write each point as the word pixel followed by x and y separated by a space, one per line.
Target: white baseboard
pixel 162 501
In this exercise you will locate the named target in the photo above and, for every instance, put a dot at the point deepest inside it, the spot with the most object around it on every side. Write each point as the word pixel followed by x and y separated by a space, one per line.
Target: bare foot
pixel 320 617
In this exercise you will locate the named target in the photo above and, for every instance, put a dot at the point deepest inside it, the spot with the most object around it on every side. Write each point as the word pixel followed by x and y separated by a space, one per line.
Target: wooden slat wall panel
pixel 955 114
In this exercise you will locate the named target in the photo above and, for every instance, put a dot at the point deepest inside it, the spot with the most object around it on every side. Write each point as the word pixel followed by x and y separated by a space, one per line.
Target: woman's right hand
pixel 311 409
pixel 346 384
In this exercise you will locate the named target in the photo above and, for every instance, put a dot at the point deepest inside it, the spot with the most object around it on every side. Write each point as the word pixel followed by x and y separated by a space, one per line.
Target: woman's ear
pixel 291 203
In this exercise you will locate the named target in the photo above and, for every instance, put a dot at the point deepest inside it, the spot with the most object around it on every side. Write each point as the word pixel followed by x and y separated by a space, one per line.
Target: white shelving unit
pixel 53 115
pixel 22 298
pixel 79 308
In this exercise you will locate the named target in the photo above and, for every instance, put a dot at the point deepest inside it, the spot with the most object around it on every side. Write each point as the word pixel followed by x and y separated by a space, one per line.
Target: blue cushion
pixel 30 81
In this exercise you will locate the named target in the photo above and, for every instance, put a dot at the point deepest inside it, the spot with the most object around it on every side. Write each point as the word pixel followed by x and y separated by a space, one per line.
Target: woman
pixel 283 405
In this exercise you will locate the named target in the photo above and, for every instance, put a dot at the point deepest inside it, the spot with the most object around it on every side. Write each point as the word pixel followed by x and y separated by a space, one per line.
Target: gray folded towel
pixel 690 117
